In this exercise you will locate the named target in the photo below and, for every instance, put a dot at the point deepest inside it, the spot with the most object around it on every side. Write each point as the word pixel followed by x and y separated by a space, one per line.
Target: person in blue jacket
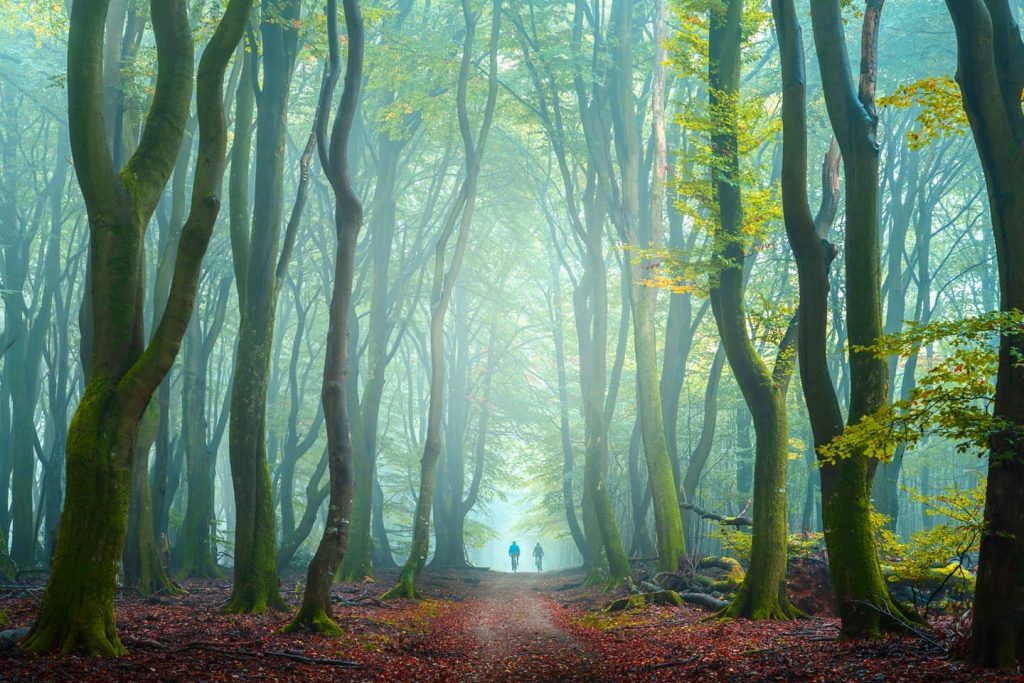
pixel 513 554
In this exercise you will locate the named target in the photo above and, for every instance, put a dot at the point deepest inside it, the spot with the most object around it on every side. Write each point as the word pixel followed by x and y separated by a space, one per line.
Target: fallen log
pixel 637 600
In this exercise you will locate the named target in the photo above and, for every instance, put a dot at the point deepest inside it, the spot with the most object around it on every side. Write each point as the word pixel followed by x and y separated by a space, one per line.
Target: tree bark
pixel 77 609
pixel 762 594
pixel 861 590
pixel 255 571
pixel 316 610
pixel 443 285
pixel 990 71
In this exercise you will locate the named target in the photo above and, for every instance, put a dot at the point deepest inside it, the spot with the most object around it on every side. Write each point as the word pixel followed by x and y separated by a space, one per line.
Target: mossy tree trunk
pixel 358 561
pixel 142 559
pixel 604 542
pixel 164 483
pixel 77 609
pixel 196 551
pixel 260 266
pixel 316 610
pixel 762 594
pixel 444 284
pixel 641 234
pixel 606 557
pixel 990 71
pixel 862 593
pixel 8 570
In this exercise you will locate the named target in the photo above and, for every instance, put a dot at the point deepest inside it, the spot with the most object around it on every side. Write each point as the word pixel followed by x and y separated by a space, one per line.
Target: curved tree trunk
pixel 667 518
pixel 443 285
pixel 255 571
pixel 990 71
pixel 316 610
pixel 863 595
pixel 77 608
pixel 762 594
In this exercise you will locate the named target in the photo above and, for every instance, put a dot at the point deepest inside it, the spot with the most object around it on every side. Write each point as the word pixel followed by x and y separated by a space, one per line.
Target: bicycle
pixel 515 562
pixel 540 563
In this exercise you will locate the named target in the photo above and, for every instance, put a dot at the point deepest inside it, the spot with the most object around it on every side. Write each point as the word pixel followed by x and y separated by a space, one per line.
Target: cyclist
pixel 538 556
pixel 513 554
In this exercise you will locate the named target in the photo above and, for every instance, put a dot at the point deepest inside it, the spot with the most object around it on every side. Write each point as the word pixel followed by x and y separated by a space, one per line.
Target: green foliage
pixel 935 559
pixel 736 543
pixel 952 400
pixel 753 116
pixel 940 109
pixel 45 20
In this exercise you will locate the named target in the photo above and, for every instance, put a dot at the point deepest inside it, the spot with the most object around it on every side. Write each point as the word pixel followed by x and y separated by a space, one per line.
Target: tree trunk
pixel 667 518
pixel 701 453
pixel 762 594
pixel 316 610
pixel 197 553
pixel 443 285
pixel 845 484
pixel 990 71
pixel 77 608
pixel 255 571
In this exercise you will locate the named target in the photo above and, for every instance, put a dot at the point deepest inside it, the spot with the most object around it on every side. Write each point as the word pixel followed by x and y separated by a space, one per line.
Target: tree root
pixel 313 620
pixel 637 600
pixel 405 588
pixel 94 639
pixel 743 607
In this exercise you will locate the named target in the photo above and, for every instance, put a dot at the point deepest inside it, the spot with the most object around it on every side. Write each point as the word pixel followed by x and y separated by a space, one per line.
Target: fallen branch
pixel 739 520
pixel 703 600
pixel 905 624
pixel 299 657
pixel 233 652
pixel 668 664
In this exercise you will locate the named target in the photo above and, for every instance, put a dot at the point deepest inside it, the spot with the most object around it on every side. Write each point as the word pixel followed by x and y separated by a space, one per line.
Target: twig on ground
pixel 668 664
pixel 903 622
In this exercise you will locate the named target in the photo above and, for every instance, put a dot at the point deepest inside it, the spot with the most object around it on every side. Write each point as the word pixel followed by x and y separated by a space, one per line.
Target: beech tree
pixel 990 72
pixel 316 602
pixel 864 599
pixel 261 262
pixel 445 274
pixel 77 609
pixel 762 594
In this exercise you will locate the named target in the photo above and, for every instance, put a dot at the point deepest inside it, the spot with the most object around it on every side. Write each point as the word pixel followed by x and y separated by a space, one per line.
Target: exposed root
pixel 67 636
pixel 313 620
pixel 405 588
pixel 743 606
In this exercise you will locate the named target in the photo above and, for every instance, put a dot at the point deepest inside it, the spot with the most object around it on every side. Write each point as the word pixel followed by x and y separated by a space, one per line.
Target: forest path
pixel 514 629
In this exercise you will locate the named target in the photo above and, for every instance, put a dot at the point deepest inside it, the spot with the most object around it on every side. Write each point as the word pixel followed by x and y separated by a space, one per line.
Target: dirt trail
pixel 514 632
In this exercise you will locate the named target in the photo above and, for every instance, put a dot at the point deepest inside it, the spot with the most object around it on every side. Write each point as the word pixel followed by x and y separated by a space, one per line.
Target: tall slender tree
pixel 762 594
pixel 642 234
pixel 316 607
pixel 444 283
pixel 864 601
pixel 261 263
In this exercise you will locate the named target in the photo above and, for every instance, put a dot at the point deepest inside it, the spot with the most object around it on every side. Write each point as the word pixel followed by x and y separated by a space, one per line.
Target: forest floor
pixel 476 625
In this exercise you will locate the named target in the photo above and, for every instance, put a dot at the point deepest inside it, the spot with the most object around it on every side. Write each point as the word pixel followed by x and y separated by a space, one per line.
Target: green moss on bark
pixel 77 609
